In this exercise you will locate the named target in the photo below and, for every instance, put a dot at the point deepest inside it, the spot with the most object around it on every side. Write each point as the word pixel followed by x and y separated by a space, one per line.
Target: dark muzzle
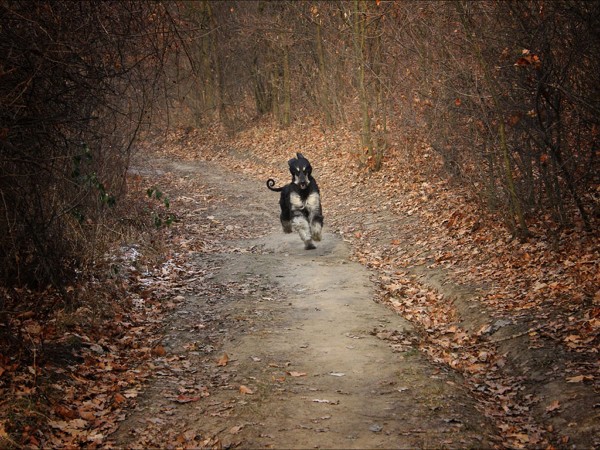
pixel 302 181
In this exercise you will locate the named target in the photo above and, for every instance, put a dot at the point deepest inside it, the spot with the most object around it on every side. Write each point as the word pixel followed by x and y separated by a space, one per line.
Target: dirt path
pixel 311 360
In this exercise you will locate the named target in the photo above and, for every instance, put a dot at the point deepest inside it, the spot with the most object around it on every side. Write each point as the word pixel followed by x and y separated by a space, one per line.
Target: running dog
pixel 300 202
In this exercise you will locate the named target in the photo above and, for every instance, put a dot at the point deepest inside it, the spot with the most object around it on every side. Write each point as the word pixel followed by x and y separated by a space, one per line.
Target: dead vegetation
pixel 466 139
pixel 499 310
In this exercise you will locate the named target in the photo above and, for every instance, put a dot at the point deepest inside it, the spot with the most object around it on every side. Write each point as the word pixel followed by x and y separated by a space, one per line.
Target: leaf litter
pixel 541 294
pixel 103 372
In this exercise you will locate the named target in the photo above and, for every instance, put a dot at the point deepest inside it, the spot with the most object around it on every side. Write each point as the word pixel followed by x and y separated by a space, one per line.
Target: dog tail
pixel 271 183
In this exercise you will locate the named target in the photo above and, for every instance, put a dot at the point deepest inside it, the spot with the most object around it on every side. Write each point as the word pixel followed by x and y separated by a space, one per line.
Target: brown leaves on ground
pixel 398 220
pixel 223 360
pixel 246 390
pixel 405 217
pixel 580 378
pixel 94 373
pixel 73 375
pixel 555 405
pixel 294 373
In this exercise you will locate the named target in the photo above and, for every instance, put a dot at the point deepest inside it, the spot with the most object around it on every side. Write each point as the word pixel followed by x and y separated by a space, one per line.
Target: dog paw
pixel 315 231
pixel 309 245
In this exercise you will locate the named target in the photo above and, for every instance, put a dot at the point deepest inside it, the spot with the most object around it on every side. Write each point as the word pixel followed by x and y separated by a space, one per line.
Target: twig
pixel 507 338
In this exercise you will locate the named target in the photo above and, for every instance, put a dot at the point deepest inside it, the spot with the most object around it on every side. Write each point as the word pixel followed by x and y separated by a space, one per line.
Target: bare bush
pixel 506 92
pixel 77 83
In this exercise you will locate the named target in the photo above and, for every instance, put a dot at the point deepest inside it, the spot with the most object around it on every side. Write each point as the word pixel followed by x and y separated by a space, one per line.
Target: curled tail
pixel 271 183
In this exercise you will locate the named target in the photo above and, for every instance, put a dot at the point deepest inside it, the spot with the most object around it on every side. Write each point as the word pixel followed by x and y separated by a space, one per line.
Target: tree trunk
pixel 515 202
pixel 359 50
pixel 206 75
pixel 217 76
pixel 380 111
pixel 287 94
pixel 276 94
pixel 262 98
pixel 324 91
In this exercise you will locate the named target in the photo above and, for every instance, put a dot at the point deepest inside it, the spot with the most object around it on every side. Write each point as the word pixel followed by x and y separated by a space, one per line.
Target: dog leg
pixel 300 224
pixel 315 218
pixel 286 212
pixel 287 226
pixel 309 245
pixel 315 230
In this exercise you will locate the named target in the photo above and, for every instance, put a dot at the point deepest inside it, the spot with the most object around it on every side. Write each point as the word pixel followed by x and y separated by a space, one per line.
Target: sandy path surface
pixel 312 361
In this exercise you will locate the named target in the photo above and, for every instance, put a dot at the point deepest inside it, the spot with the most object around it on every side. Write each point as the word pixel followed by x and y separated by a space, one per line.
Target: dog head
pixel 301 170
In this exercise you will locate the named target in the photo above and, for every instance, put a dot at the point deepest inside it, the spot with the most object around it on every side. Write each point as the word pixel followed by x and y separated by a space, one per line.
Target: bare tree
pixel 78 83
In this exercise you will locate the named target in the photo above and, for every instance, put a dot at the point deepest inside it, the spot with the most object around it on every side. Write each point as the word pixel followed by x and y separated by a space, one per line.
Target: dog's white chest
pixel 311 203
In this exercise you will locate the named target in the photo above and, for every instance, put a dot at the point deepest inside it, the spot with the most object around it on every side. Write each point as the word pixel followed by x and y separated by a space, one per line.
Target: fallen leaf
pixel 64 412
pixel 131 393
pixel 185 399
pixel 33 328
pixel 86 414
pixel 297 374
pixel 190 435
pixel 576 379
pixel 337 374
pixel 159 350
pixel 95 437
pixel 579 378
pixel 223 360
pixel 191 347
pixel 246 390
pixel 522 437
pixel 68 426
pixel 155 421
pixel 331 402
pixel 553 406
pixel 236 429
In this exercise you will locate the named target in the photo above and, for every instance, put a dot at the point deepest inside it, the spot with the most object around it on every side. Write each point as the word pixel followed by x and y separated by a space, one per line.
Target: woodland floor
pixel 407 327
pixel 418 322
pixel 311 361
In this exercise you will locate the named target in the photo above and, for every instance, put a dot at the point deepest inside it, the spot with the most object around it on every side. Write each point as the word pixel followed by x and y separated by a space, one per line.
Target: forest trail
pixel 279 347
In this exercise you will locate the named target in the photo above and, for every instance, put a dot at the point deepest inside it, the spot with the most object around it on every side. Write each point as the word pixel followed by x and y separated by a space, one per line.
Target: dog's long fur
pixel 300 202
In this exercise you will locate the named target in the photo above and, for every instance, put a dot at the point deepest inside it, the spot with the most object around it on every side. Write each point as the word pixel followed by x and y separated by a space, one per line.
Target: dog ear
pixel 299 156
pixel 291 162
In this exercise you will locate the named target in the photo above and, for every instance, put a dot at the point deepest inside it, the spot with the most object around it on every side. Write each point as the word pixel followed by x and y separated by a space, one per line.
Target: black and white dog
pixel 300 202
